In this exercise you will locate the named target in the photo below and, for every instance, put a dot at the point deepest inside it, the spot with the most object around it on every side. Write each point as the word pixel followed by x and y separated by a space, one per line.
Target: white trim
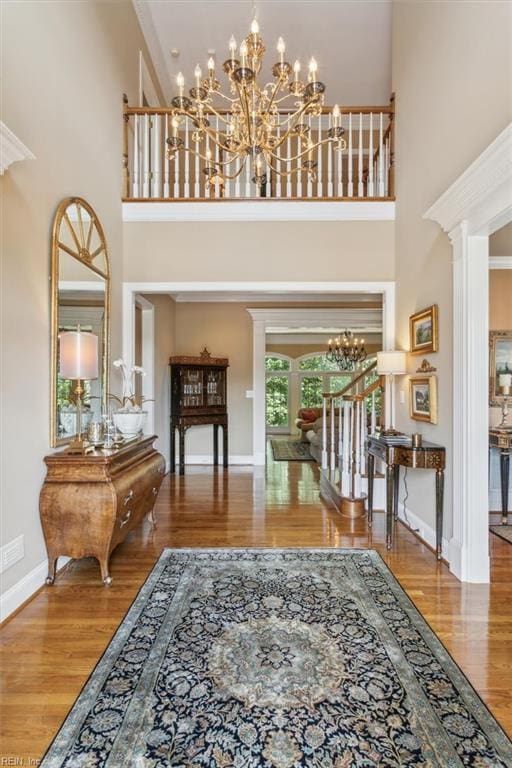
pixel 82 285
pixel 148 30
pixel 259 210
pixel 327 320
pixel 477 204
pixel 317 340
pixel 146 84
pixel 26 587
pixel 12 150
pixel 424 531
pixel 500 262
pixel 385 287
pixel 266 296
pixel 488 178
pixel 148 359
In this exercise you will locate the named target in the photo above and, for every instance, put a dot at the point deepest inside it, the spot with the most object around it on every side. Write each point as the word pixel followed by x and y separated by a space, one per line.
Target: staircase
pixel 348 417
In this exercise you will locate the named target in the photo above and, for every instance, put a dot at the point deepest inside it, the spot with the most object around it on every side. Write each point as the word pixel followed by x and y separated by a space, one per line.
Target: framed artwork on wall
pixel 500 365
pixel 423 398
pixel 423 332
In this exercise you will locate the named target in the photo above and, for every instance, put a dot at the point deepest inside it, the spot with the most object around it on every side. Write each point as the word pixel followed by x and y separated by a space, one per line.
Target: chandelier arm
pixel 276 88
pixel 301 154
pixel 297 115
pixel 237 174
pixel 214 163
pixel 245 107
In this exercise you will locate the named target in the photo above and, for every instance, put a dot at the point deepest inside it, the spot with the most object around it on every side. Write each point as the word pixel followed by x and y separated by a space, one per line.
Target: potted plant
pixel 130 417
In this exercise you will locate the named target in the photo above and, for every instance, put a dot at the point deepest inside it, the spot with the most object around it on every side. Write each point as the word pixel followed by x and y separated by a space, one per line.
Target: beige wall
pixel 451 74
pixel 226 329
pixel 65 67
pixel 167 251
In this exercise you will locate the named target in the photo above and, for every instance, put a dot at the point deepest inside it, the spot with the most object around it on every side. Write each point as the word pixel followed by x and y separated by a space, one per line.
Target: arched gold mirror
pixel 80 300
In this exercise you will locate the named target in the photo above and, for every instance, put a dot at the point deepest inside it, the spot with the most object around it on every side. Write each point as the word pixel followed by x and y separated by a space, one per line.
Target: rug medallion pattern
pixel 279 659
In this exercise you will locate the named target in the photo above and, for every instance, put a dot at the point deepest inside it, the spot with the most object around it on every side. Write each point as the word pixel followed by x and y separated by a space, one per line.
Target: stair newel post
pixel 332 465
pixel 126 171
pixel 340 435
pixel 324 434
pixel 347 443
pixel 357 450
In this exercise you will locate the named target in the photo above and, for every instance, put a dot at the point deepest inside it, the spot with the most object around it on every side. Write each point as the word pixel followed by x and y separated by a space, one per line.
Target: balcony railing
pixel 363 171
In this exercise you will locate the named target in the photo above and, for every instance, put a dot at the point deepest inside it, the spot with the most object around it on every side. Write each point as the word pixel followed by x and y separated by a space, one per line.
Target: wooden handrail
pixel 327 395
pixel 388 110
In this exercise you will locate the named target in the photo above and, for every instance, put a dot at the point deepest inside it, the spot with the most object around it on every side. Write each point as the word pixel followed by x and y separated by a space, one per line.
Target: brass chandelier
pixel 346 351
pixel 258 119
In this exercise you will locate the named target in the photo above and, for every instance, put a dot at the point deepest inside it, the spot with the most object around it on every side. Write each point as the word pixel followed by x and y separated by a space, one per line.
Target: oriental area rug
pixel 280 659
pixel 290 450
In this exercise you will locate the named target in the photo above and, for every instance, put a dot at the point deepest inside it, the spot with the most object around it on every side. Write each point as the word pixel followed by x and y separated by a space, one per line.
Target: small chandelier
pixel 259 121
pixel 346 351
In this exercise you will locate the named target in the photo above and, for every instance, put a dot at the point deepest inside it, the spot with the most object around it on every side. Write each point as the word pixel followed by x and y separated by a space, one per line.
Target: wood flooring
pixel 50 647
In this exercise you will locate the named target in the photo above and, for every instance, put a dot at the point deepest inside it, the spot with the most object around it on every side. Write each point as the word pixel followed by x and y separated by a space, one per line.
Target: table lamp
pixel 78 361
pixel 391 364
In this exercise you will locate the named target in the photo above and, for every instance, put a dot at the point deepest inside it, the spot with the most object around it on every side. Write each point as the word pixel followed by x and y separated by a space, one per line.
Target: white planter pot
pixel 130 424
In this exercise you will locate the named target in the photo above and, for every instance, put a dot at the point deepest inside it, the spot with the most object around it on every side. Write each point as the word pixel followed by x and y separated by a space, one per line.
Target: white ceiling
pixel 350 39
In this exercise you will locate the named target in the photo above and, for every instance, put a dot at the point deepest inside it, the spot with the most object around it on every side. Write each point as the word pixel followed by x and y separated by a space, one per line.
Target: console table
pixel 501 438
pixel 426 456
pixel 89 503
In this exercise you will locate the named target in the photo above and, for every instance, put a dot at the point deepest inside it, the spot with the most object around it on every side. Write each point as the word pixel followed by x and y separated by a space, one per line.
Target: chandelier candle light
pixel 346 351
pixel 259 119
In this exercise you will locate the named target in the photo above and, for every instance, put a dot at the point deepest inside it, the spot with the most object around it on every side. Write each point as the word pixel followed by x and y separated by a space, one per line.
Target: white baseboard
pixel 26 587
pixel 205 458
pixel 424 531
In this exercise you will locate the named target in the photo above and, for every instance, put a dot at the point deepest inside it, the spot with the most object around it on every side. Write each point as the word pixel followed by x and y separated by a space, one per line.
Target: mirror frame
pixel 82 255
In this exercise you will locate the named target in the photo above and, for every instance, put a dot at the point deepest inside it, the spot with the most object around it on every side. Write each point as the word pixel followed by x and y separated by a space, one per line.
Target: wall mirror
pixel 80 300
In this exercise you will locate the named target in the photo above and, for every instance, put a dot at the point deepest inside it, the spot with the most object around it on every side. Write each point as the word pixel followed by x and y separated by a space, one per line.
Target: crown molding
pixel 486 184
pixel 259 210
pixel 500 262
pixel 148 30
pixel 12 150
pixel 318 320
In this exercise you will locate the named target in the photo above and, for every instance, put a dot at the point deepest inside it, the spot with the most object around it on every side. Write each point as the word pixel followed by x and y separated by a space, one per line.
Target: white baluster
pixel 370 160
pixel 360 185
pixel 288 168
pixel 278 163
pixel 339 155
pixel 333 441
pixel 347 447
pixel 155 159
pixel 330 150
pixel 227 171
pixel 207 154
pixel 197 176
pixel 299 172
pixel 319 186
pixel 309 157
pixel 217 186
pixel 136 191
pixel 237 181
pixel 386 171
pixel 340 434
pixel 166 161
pixel 363 435
pixel 373 423
pixel 145 154
pixel 381 159
pixel 177 179
pixel 324 434
pixel 350 190
pixel 186 184
pixel 248 177
pixel 356 474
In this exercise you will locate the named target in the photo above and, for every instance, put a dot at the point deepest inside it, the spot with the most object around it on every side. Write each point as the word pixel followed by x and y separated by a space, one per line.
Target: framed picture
pixel 423 331
pixel 423 398
pixel 500 364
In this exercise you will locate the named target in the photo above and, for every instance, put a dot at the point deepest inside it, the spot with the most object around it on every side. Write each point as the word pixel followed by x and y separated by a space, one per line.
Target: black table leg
pixel 439 512
pixel 225 456
pixel 504 477
pixel 371 472
pixel 181 431
pixel 396 487
pixel 215 444
pixel 390 492
pixel 172 468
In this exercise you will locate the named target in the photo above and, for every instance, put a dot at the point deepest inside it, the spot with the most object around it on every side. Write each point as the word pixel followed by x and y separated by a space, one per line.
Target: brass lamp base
pixel 79 446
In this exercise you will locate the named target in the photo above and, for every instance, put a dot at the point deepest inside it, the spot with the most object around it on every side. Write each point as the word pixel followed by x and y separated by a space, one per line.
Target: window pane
pixel 317 363
pixel 276 363
pixel 338 382
pixel 311 389
pixel 277 401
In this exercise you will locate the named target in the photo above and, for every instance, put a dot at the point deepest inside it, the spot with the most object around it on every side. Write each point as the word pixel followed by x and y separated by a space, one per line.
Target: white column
pixel 333 441
pixel 469 547
pixel 258 368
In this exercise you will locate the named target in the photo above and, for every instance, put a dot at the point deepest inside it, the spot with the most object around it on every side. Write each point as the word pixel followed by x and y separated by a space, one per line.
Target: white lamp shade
pixel 78 358
pixel 392 362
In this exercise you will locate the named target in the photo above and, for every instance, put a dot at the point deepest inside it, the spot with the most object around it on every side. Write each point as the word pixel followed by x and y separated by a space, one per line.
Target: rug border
pixel 274 440
pixel 373 553
pixel 500 535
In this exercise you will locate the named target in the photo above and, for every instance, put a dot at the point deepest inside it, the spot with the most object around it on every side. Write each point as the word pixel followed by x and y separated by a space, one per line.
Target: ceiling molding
pixel 12 150
pixel 150 36
pixel 313 339
pixel 260 210
pixel 500 262
pixel 325 320
pixel 224 297
pixel 485 185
